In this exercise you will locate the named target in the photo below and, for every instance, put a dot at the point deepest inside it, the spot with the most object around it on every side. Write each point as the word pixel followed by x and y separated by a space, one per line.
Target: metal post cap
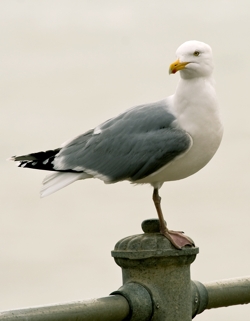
pixel 148 245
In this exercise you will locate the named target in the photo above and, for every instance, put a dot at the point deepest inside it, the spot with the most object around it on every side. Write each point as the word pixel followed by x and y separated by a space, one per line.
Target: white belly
pixel 188 163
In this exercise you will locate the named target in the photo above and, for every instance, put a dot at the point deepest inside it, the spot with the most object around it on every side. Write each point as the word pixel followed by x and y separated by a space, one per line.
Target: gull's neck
pixel 195 104
pixel 195 93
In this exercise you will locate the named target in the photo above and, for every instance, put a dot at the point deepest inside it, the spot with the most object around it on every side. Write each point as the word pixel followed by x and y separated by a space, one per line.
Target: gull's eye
pixel 196 53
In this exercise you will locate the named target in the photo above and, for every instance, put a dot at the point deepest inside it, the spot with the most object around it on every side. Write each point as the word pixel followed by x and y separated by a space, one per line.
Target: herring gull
pixel 153 143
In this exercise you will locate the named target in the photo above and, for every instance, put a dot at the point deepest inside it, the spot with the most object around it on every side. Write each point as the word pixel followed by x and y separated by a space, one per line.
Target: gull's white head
pixel 194 59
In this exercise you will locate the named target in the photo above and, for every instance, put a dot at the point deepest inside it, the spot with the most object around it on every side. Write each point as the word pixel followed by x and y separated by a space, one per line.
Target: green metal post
pixel 156 287
pixel 151 260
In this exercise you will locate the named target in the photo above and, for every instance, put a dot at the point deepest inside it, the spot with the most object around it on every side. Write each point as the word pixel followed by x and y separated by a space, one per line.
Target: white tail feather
pixel 56 181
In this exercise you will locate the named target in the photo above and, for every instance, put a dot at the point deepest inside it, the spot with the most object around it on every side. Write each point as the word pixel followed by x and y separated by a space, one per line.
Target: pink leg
pixel 178 239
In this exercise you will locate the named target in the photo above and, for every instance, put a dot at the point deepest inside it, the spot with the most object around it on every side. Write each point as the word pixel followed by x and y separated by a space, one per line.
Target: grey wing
pixel 130 146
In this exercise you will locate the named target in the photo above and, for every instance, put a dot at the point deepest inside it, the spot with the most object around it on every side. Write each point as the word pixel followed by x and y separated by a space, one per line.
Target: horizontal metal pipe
pixel 112 308
pixel 116 308
pixel 228 292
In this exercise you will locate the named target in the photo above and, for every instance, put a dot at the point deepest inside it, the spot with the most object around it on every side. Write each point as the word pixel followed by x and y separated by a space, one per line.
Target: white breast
pixel 196 109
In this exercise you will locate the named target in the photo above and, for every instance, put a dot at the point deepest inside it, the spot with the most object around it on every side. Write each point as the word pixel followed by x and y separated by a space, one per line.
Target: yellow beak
pixel 176 66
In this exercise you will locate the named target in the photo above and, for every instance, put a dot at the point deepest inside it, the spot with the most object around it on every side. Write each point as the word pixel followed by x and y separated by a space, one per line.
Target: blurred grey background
pixel 66 66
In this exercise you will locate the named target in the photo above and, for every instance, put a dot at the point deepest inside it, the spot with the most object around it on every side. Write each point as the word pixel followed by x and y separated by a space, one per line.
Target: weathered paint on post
pixel 156 287
pixel 151 260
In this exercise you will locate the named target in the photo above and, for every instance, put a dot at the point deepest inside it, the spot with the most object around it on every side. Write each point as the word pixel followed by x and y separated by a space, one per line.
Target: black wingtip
pixel 40 160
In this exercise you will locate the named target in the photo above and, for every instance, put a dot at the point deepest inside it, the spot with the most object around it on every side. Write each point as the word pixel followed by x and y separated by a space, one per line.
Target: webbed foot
pixel 178 239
